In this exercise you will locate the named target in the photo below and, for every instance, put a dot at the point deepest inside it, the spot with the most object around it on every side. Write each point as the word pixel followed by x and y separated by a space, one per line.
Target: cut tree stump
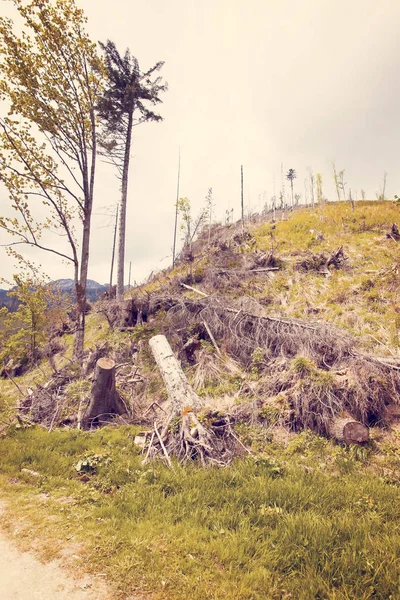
pixel 348 431
pixel 104 398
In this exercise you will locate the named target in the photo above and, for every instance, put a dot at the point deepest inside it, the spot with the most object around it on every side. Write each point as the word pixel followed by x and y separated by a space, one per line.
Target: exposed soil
pixel 24 577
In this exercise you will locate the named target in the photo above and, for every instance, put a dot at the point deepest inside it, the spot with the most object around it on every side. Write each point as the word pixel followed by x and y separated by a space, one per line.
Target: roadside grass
pixel 313 520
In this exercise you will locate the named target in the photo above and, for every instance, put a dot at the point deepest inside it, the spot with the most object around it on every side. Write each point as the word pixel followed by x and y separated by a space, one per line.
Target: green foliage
pixel 303 366
pixel 24 331
pixel 257 361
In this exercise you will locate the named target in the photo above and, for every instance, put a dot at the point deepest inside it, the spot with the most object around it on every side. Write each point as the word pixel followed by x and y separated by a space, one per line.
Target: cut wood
pixel 180 393
pixel 192 289
pixel 348 431
pixel 183 434
pixel 212 338
pixel 104 398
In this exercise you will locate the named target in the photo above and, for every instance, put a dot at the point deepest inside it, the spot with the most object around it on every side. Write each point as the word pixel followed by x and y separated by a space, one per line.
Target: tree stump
pixel 104 398
pixel 348 431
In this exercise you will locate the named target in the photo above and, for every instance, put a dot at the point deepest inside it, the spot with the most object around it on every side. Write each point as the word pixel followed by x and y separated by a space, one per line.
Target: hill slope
pixel 302 332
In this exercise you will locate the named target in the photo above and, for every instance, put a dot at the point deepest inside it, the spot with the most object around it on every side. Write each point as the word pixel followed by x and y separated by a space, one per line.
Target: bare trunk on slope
pixel 122 212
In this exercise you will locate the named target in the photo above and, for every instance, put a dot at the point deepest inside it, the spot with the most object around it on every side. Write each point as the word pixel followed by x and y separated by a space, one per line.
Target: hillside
pixel 283 330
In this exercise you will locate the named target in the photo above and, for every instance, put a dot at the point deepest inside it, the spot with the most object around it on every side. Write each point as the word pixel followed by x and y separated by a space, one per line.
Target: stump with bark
pixel 104 398
pixel 183 433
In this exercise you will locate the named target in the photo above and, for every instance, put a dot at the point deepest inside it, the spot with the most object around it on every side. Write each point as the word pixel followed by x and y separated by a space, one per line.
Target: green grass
pixel 363 303
pixel 311 521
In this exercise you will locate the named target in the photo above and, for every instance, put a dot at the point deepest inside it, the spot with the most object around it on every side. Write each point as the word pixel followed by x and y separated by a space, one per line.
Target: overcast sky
pixel 255 82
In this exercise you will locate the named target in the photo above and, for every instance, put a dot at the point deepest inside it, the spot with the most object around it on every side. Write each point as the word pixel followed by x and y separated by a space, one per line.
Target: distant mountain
pixel 66 286
pixel 93 289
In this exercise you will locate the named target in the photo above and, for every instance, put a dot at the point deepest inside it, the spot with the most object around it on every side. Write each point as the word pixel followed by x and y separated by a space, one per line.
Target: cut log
pixel 104 398
pixel 182 434
pixel 180 393
pixel 348 431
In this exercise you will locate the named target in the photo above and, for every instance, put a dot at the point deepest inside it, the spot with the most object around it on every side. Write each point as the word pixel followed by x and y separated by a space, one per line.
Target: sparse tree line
pixel 313 191
pixel 67 103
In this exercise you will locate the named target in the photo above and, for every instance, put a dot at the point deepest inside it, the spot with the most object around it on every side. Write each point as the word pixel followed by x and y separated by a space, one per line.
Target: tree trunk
pixel 348 431
pixel 104 398
pixel 88 191
pixel 179 390
pixel 122 213
pixel 113 255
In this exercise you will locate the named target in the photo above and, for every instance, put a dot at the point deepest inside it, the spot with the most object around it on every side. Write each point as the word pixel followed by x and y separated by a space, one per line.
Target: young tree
pixel 291 176
pixel 209 210
pixel 125 103
pixel 24 331
pixel 363 194
pixel 50 77
pixel 336 180
pixel 381 194
pixel 342 183
pixel 312 183
pixel 318 183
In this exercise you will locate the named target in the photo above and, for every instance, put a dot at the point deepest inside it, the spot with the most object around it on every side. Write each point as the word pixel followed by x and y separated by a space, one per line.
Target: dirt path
pixel 23 577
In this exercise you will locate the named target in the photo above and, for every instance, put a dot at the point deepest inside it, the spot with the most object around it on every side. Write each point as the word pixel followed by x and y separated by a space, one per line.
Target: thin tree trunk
pixel 122 214
pixel 80 286
pixel 113 254
pixel 176 209
pixel 241 180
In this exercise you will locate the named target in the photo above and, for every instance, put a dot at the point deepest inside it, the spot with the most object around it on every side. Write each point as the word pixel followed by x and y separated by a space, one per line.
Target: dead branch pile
pixel 361 388
pixel 242 326
pixel 322 262
pixel 367 384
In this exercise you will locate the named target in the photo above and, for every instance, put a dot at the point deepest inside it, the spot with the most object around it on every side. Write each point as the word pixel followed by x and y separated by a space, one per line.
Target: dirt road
pixel 23 577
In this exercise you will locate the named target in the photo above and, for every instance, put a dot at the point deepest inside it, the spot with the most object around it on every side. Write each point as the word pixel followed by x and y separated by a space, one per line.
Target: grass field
pixel 312 520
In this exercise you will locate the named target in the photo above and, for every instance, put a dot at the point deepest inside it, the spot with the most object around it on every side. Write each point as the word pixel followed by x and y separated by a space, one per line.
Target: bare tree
pixel 312 183
pixel 381 194
pixel 336 180
pixel 176 208
pixel 124 104
pixel 209 210
pixel 291 176
pixel 342 183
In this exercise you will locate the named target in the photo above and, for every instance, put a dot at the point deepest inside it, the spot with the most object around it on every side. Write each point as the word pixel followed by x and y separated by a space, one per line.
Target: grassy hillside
pixel 298 516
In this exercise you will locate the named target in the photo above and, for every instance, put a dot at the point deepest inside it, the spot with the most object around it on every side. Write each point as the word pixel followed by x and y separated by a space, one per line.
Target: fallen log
pixel 182 434
pixel 180 393
pixel 104 398
pixel 348 431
